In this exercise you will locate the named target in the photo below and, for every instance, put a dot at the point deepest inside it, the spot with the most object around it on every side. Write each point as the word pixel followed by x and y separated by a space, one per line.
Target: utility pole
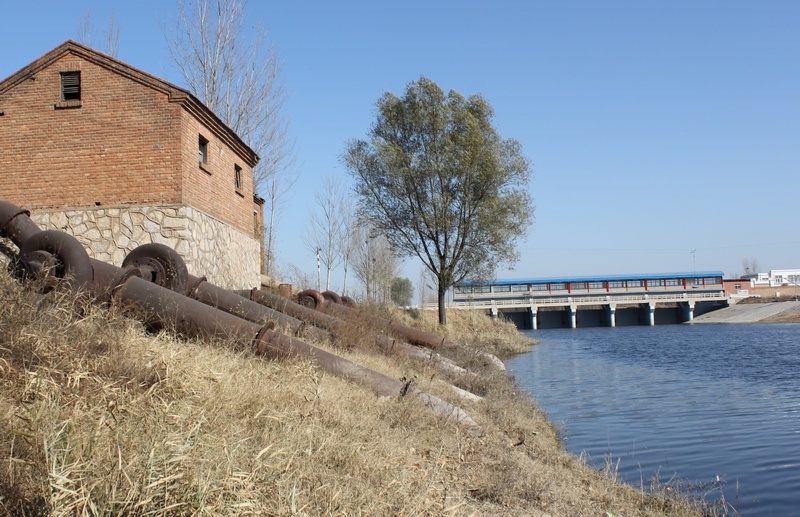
pixel 319 271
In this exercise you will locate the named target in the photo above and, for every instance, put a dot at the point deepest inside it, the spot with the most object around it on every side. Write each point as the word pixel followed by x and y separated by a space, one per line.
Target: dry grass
pixel 97 417
pixel 499 337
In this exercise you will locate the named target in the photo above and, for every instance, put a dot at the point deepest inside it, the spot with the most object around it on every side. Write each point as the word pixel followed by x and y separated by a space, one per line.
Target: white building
pixel 776 278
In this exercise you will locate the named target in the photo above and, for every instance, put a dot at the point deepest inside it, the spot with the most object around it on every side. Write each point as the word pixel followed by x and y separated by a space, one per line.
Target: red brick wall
pixel 210 187
pixel 117 148
pixel 126 144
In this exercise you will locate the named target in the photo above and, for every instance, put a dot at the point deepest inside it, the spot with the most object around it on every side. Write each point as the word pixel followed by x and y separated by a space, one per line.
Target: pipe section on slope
pixel 232 303
pixel 162 307
pixel 338 327
pixel 416 336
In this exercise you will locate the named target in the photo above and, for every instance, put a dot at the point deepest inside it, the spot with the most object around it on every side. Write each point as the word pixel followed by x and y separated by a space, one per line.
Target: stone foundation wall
pixel 211 248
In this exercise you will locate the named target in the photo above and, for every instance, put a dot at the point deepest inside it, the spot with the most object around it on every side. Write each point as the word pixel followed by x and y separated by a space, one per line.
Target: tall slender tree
pixel 438 181
pixel 229 67
pixel 326 226
pixel 110 37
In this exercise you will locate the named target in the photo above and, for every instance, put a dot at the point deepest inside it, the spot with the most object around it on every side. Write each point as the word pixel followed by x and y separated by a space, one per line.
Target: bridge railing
pixel 581 300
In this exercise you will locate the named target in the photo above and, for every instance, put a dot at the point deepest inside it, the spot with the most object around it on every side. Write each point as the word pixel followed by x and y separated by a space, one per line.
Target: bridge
pixel 596 301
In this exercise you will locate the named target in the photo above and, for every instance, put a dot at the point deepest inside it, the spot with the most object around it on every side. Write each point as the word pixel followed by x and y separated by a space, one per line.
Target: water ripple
pixel 703 402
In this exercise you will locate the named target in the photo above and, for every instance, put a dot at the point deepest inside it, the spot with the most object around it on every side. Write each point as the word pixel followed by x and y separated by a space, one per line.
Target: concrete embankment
pixel 753 313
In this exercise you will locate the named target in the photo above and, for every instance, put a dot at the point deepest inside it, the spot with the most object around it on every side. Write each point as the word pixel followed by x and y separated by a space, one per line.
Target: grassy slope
pixel 99 417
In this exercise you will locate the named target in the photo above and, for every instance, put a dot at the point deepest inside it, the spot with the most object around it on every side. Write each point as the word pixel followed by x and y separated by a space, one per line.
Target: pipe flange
pixel 311 299
pixel 160 265
pixel 71 260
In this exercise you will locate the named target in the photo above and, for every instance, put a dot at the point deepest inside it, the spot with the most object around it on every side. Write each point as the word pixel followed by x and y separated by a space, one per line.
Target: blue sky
pixel 654 128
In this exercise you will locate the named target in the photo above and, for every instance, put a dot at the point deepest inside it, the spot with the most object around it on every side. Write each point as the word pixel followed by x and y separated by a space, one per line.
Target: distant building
pixel 774 283
pixel 119 158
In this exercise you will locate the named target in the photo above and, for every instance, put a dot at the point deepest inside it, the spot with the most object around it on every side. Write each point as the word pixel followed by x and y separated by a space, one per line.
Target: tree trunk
pixel 442 311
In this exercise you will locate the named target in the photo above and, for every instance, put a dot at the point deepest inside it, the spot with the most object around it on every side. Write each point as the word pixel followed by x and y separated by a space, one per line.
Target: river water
pixel 714 408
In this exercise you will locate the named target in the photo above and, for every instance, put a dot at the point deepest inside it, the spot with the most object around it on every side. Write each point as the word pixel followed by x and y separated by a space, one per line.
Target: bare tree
pixel 326 226
pixel 750 266
pixel 376 265
pixel 238 77
pixel 349 240
pixel 110 35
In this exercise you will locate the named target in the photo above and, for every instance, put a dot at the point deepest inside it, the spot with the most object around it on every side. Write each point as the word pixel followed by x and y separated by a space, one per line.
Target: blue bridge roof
pixel 597 278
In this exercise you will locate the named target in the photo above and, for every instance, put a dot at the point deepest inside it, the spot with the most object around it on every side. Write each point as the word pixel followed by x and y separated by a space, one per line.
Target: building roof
pixel 598 278
pixel 174 93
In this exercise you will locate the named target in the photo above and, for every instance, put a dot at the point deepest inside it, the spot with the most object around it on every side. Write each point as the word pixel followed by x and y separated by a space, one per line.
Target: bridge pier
pixel 532 310
pixel 573 316
pixel 650 312
pixel 688 311
pixel 611 312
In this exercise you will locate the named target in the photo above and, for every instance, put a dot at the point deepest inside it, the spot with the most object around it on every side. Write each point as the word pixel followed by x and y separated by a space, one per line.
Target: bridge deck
pixel 567 301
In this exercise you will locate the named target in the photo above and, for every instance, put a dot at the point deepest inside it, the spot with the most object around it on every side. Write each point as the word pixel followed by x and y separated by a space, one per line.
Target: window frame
pixel 70 92
pixel 203 153
pixel 237 178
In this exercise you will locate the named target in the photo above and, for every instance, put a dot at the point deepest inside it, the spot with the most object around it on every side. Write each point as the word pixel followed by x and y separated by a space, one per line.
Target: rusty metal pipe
pixel 160 306
pixel 72 261
pixel 417 336
pixel 163 307
pixel 274 344
pixel 332 297
pixel 16 224
pixel 232 303
pixel 163 266
pixel 338 326
pixel 311 298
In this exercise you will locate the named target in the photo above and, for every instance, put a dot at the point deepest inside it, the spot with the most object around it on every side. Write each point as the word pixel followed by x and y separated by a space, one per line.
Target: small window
pixel 202 150
pixel 237 177
pixel 70 86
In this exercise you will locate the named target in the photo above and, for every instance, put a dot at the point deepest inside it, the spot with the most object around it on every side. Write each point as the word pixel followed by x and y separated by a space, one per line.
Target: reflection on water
pixel 695 402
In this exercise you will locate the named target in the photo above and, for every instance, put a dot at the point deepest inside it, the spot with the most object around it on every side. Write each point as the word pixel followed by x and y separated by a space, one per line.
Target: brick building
pixel 119 158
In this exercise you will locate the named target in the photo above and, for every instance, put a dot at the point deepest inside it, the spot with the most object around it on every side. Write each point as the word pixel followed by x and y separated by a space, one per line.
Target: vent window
pixel 70 86
pixel 202 150
pixel 237 177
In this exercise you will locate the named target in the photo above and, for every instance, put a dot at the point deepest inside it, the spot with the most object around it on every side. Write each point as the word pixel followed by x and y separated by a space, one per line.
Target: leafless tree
pixel 231 69
pixel 750 266
pixel 376 265
pixel 110 35
pixel 350 238
pixel 326 226
pixel 425 283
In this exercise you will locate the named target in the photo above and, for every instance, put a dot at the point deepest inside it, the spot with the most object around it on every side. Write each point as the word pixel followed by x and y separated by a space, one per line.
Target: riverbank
pixel 98 415
pixel 761 311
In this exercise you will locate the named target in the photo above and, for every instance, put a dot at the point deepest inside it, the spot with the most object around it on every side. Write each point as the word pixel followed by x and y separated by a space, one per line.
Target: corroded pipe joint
pixel 161 265
pixel 72 260
pixel 311 298
pixel 332 297
pixel 16 224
